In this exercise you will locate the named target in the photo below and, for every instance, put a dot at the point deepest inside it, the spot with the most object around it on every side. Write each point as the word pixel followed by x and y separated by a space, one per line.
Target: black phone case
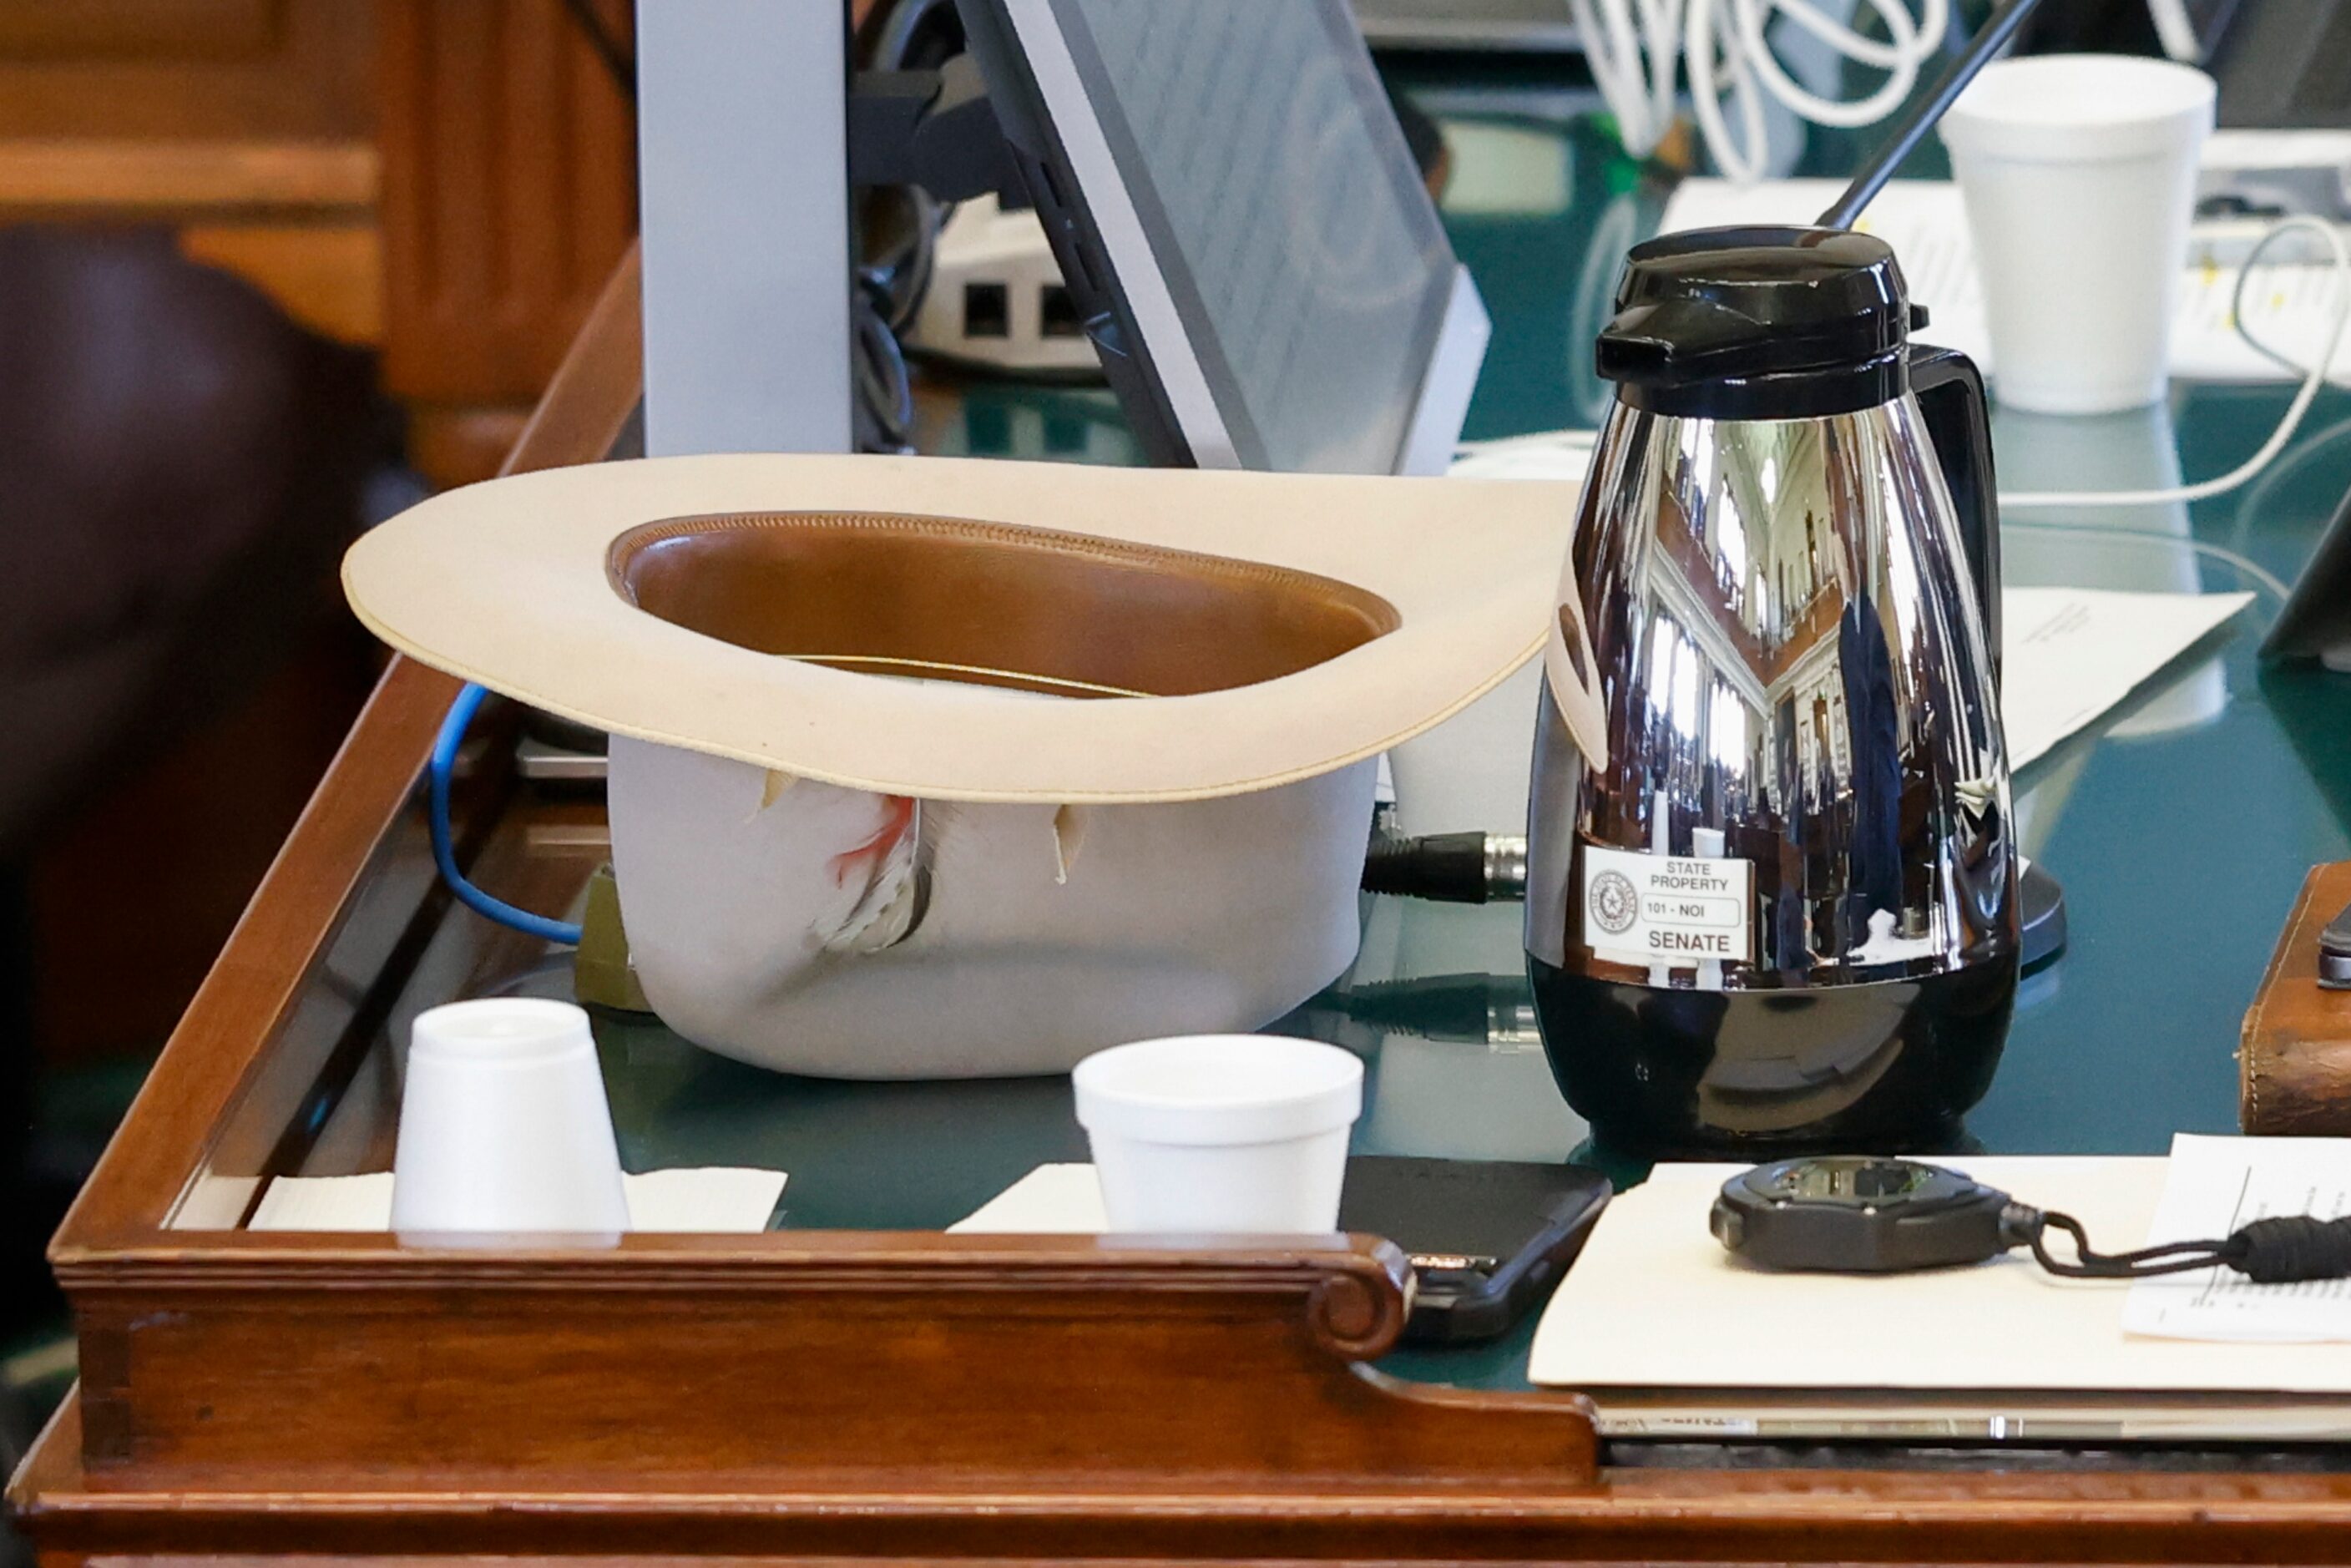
pixel 1487 1238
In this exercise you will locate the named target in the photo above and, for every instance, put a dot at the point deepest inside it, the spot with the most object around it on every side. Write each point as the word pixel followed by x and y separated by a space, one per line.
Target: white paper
pixel 1546 455
pixel 1923 220
pixel 1052 1200
pixel 2068 654
pixel 2215 1185
pixel 1655 1303
pixel 2287 307
pixel 713 1199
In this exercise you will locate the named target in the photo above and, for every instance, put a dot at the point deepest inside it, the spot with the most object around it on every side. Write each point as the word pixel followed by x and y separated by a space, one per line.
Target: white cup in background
pixel 1241 1134
pixel 504 1124
pixel 2079 175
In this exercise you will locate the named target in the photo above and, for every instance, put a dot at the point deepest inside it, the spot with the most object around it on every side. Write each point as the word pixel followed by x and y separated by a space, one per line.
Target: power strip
pixel 997 300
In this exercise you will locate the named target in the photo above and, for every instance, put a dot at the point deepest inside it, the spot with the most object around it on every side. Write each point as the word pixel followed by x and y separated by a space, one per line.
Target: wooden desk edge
pixel 1654 1516
pixel 287 928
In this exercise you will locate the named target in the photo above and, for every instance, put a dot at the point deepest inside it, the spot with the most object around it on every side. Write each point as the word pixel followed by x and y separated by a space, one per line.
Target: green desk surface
pixel 2181 825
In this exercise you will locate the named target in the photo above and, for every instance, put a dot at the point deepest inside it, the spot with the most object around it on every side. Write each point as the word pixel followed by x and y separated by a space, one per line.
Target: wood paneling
pixel 1964 1515
pixel 169 180
pixel 175 70
pixel 452 179
pixel 249 125
pixel 916 1365
pixel 458 445
pixel 510 192
pixel 136 29
pixel 329 276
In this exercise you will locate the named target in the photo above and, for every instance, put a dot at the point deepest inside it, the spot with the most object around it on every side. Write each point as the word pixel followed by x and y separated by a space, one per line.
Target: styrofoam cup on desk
pixel 1220 1134
pixel 504 1125
pixel 2079 176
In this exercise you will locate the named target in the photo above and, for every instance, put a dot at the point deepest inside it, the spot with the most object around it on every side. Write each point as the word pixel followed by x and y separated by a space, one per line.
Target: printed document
pixel 2211 1187
pixel 2071 654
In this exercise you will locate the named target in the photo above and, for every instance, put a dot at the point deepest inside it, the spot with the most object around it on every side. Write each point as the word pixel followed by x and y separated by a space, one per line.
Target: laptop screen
pixel 1283 207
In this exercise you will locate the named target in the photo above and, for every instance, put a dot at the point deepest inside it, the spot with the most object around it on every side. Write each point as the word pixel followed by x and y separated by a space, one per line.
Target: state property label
pixel 1668 909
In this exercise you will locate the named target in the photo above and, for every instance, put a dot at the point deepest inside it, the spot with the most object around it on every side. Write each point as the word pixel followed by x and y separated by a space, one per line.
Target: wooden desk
pixel 822 1395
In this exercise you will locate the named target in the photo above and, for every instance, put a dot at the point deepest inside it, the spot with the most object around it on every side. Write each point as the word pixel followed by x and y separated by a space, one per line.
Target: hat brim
pixel 510 583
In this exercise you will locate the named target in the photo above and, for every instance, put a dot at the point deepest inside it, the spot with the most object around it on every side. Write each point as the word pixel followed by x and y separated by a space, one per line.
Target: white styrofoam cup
pixel 504 1124
pixel 1242 1134
pixel 2079 176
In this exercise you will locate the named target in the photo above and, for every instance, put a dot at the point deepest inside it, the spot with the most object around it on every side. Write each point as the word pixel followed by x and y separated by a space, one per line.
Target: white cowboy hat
pixel 1281 626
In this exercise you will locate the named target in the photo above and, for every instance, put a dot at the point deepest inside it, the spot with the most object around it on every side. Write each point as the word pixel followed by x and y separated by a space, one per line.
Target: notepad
pixel 1669 1334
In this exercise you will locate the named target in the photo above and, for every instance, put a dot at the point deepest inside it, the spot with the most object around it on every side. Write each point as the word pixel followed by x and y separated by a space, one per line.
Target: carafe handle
pixel 1950 394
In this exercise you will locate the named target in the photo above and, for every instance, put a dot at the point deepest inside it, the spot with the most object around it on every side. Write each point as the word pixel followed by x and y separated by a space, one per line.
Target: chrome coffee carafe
pixel 1783 911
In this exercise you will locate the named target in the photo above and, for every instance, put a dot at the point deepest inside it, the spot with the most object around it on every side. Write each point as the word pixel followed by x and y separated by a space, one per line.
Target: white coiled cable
pixel 1638 48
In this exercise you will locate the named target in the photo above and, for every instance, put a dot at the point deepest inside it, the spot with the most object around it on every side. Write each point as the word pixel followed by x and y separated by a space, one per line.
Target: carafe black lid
pixel 1760 323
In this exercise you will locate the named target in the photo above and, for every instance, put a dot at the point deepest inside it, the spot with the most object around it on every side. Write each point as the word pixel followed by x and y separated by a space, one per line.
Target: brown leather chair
pixel 180 468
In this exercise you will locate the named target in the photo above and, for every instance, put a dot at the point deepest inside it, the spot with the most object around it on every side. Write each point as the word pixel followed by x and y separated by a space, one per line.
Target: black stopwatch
pixel 1856 1214
pixel 1861 1214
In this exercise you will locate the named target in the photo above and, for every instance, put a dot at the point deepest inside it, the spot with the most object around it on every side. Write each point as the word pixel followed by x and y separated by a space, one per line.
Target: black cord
pixel 1924 111
pixel 885 393
pixel 2174 1257
pixel 2285 1249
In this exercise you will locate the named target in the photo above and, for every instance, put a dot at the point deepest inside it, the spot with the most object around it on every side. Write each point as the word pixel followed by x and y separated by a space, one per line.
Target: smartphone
pixel 1487 1238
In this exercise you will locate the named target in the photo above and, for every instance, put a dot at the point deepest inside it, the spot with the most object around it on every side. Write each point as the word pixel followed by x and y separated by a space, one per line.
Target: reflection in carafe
pixel 1800 711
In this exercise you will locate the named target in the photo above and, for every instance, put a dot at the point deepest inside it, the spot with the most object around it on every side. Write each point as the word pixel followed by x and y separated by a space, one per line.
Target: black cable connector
pixel 1452 868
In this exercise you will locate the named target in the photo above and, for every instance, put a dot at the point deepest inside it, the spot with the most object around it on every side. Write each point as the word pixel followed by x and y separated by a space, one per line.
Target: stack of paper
pixel 1670 1334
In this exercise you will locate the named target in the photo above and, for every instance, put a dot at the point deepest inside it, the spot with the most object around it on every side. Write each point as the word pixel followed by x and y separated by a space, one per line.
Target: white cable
pixel 2252 569
pixel 1661 22
pixel 2313 380
pixel 1633 62
pixel 1615 57
pixel 1703 32
pixel 1932 18
pixel 1723 45
pixel 2177 31
pixel 1906 56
